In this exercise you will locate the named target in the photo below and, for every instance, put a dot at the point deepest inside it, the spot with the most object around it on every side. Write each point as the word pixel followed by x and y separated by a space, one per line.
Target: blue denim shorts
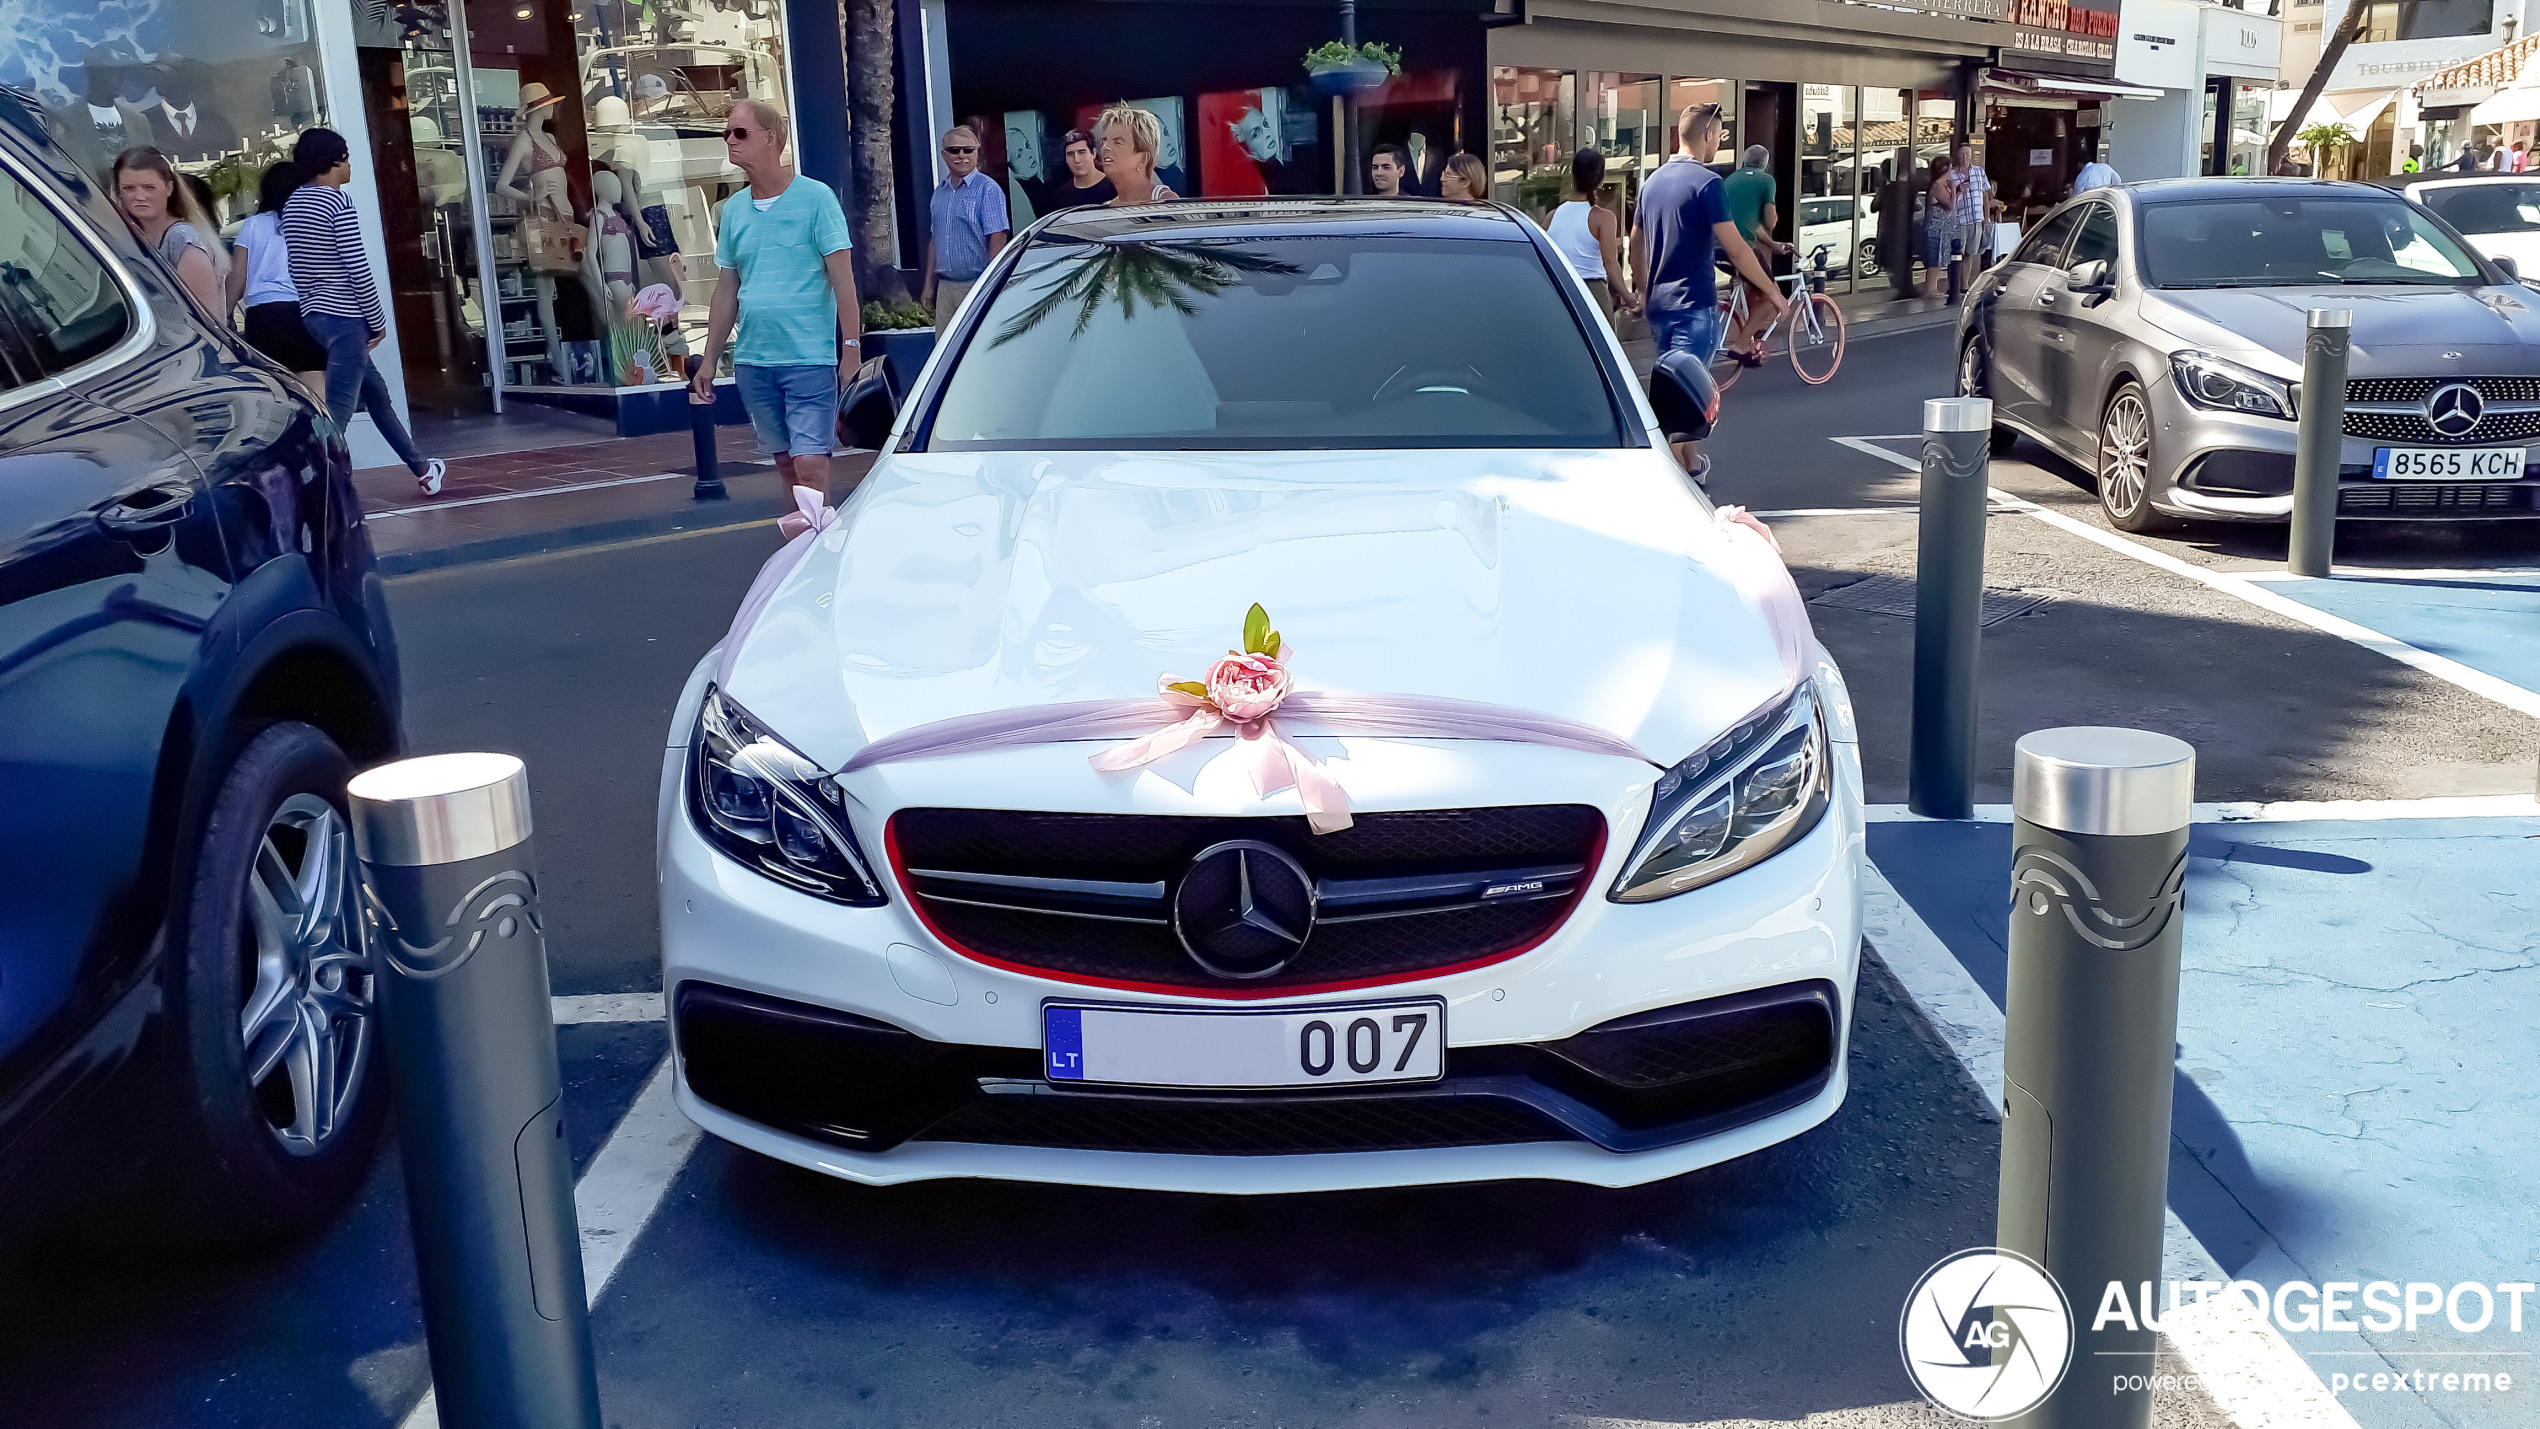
pixel 1695 330
pixel 793 409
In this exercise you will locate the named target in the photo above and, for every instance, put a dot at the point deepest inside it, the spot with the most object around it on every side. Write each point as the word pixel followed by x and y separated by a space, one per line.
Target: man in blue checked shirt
pixel 966 226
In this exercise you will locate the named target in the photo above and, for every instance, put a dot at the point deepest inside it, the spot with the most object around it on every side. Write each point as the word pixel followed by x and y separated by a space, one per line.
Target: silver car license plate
pixel 2447 463
pixel 1337 1044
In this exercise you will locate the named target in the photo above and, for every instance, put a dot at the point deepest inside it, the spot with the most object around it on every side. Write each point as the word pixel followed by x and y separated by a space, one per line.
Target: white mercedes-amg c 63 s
pixel 1275 717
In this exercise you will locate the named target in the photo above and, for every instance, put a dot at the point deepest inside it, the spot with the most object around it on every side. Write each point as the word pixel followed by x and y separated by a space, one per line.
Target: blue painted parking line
pixel 2355 1056
pixel 2487 622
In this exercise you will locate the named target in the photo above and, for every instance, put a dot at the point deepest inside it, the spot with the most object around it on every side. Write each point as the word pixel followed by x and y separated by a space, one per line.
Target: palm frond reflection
pixel 1155 274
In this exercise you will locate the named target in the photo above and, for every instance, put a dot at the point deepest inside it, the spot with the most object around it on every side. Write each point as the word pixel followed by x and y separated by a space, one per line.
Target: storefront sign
pixel 2060 29
pixel 1971 9
pixel 2156 44
pixel 2450 96
pixel 2058 45
pixel 2065 16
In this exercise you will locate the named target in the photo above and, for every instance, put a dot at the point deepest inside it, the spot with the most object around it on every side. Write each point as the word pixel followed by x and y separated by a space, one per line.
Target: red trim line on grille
pixel 899 871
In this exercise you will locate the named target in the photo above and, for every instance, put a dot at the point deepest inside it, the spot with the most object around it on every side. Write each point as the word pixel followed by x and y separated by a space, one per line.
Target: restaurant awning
pixel 2511 106
pixel 2064 87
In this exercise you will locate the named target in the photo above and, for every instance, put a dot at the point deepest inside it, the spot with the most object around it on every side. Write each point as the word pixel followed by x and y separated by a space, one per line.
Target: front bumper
pixel 746 959
pixel 2225 466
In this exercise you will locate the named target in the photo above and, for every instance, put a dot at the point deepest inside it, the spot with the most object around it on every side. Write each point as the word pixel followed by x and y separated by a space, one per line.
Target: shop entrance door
pixel 430 212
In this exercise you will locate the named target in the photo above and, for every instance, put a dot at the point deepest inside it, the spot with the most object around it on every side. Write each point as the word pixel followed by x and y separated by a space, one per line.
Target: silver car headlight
pixel 1739 800
pixel 2209 381
pixel 771 809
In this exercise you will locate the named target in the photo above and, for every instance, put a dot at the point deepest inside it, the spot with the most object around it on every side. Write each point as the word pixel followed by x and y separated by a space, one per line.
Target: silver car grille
pixel 2392 409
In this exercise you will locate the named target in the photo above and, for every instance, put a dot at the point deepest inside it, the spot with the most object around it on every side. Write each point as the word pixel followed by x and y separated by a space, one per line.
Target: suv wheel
pixel 278 1045
pixel 2125 462
pixel 1974 379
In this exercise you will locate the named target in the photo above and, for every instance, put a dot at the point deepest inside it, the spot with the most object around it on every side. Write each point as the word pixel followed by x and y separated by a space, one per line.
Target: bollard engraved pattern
pixel 2042 878
pixel 501 907
pixel 1976 466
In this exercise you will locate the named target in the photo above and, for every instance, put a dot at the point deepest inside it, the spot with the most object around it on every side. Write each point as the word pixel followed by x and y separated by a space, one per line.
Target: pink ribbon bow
pixel 1242 693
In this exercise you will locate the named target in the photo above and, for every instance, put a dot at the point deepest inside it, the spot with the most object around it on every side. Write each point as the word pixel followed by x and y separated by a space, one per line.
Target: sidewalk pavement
pixel 517 503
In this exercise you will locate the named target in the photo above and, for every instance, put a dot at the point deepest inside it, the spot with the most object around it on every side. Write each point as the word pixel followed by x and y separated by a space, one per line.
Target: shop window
pixel 1622 118
pixel 222 87
pixel 1534 133
pixel 1682 93
pixel 1417 110
pixel 1830 191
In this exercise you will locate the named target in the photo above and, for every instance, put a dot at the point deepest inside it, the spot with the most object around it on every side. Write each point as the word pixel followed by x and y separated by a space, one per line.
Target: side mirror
pixel 2512 270
pixel 1684 396
pixel 2092 278
pixel 870 407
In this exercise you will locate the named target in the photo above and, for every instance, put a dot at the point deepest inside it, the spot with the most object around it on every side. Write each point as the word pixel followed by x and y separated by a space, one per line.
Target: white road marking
pixel 2252 588
pixel 383 515
pixel 1863 444
pixel 2380 573
pixel 1834 511
pixel 2286 811
pixel 618 1193
pixel 2478 682
pixel 608 1007
pixel 2253 1374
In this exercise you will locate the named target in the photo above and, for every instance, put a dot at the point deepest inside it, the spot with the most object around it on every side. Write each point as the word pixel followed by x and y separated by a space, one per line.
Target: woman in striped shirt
pixel 338 304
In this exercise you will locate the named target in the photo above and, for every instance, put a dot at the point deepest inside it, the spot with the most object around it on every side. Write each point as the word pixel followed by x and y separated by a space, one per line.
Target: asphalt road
pixel 1763 1290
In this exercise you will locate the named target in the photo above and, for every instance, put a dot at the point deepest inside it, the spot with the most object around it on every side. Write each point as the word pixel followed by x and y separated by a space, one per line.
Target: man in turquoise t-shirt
pixel 788 278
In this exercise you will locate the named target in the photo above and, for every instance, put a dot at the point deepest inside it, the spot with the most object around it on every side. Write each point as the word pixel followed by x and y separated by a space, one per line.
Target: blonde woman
pixel 1129 139
pixel 169 223
pixel 1464 180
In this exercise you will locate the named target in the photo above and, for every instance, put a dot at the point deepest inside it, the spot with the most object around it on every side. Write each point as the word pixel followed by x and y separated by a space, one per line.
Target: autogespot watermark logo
pixel 1986 1334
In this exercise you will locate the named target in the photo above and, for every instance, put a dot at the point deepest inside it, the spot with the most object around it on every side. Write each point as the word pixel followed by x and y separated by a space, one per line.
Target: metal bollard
pixel 450 901
pixel 2098 868
pixel 2319 436
pixel 1948 595
pixel 709 485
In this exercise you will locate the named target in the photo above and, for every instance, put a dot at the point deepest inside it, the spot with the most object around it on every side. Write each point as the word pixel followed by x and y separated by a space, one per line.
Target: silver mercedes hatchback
pixel 2153 334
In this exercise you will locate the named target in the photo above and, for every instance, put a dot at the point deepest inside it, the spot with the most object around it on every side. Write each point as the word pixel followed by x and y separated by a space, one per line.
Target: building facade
pixel 2214 66
pixel 523 167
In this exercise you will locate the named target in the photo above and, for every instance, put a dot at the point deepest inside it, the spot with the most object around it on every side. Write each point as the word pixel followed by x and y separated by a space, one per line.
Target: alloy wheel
pixel 306 1022
pixel 1970 372
pixel 2125 454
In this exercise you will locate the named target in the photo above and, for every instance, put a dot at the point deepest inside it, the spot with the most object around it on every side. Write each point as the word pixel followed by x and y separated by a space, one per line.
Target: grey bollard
pixel 2318 439
pixel 1948 597
pixel 450 902
pixel 2098 868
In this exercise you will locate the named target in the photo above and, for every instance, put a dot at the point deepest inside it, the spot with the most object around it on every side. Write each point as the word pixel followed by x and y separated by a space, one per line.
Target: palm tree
pixel 2327 143
pixel 870 99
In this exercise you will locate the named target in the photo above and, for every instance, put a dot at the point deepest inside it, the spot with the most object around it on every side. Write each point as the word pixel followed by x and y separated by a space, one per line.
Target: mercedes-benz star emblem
pixel 2454 409
pixel 1243 909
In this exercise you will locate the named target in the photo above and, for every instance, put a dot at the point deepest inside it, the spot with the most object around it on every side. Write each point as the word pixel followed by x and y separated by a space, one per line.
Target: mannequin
pixel 536 159
pixel 440 173
pixel 612 250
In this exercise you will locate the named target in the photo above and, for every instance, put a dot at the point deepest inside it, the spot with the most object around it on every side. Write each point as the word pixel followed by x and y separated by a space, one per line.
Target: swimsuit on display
pixel 614 226
pixel 540 160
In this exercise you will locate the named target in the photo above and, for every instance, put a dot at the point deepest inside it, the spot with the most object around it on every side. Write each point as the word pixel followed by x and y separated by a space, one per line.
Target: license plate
pixel 1340 1044
pixel 2447 463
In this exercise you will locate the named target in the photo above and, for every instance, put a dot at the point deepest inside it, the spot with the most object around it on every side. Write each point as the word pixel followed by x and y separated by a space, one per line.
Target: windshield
pixel 2282 242
pixel 1270 343
pixel 2486 208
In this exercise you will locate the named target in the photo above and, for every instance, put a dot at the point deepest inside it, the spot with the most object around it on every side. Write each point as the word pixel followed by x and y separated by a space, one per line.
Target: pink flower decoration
pixel 1247 687
pixel 655 304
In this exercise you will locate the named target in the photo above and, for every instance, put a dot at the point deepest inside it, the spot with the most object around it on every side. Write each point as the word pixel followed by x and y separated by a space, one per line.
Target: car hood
pixel 2398 331
pixel 1591 585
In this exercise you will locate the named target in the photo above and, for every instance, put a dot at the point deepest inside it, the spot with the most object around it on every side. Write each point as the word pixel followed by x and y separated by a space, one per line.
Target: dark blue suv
pixel 194 656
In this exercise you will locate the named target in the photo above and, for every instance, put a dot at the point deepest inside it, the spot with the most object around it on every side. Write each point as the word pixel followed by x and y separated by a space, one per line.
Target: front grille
pixel 1151 851
pixel 2414 429
pixel 2417 389
pixel 1633 1084
pixel 1236 1126
pixel 2431 498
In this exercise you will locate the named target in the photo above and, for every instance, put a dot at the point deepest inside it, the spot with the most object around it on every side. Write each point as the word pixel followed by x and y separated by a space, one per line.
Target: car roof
pixel 2209 189
pixel 1277 217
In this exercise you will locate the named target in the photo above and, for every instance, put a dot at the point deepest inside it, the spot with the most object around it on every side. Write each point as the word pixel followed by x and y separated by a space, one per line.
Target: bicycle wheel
pixel 1725 368
pixel 1816 340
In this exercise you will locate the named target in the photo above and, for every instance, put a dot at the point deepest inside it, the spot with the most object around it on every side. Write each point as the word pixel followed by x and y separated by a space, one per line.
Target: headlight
pixel 1741 799
pixel 760 801
pixel 2208 381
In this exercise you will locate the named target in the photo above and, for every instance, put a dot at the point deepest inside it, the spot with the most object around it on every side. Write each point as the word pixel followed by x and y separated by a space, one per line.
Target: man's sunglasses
pixel 736 132
pixel 961 148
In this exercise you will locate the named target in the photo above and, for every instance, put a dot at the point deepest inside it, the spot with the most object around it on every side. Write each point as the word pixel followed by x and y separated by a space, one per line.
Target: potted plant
pixel 1335 68
pixel 902 330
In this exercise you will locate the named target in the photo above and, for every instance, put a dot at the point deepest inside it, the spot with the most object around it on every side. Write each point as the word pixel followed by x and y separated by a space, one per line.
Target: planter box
pixel 638 411
pixel 903 349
